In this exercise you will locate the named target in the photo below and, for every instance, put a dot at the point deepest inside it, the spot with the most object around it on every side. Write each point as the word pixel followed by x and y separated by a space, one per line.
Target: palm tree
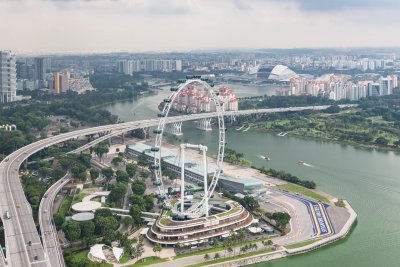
pixel 230 250
pixel 206 256
pixel 216 256
pixel 241 235
pixel 215 244
pixel 157 248
pixel 138 254
pixel 232 235
pixel 225 246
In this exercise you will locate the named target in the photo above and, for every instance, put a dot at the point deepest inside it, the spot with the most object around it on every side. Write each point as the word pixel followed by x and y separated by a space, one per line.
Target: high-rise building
pixel 386 85
pixel 60 82
pixel 374 89
pixel 128 67
pixel 64 82
pixel 25 71
pixel 40 69
pixel 178 65
pixel 57 83
pixel 8 77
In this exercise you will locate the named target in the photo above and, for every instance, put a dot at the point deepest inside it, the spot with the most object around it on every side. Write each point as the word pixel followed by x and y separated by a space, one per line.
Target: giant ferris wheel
pixel 199 208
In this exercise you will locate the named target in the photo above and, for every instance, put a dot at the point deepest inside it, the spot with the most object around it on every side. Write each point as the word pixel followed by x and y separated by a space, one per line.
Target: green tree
pixel 397 143
pixel 103 213
pixel 281 219
pixel 118 192
pixel 116 161
pixel 127 220
pixel 107 172
pixel 94 174
pixel 137 200
pixel 138 187
pixel 100 150
pixel 157 248
pixel 135 212
pixel 78 170
pixel 72 230
pixel 122 176
pixel 104 224
pixel 87 228
pixel 251 203
pixel 131 169
pixel 58 220
pixel 382 141
pixel 148 202
pixel 85 160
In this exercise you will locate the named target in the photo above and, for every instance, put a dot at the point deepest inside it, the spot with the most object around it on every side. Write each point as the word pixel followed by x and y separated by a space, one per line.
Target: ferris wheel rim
pixel 159 138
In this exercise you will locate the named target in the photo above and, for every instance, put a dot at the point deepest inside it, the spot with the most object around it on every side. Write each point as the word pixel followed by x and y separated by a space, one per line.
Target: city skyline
pixel 80 26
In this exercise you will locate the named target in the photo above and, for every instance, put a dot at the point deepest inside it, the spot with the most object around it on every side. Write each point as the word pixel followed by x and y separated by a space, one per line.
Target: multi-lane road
pixel 47 228
pixel 23 243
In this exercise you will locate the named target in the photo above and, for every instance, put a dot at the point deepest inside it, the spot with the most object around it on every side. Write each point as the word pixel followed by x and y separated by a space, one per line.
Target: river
pixel 367 178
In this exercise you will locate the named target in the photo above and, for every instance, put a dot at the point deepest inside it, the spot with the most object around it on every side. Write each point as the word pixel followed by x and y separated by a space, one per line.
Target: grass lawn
pixel 245 255
pixel 165 221
pixel 301 244
pixel 148 261
pixel 79 197
pixel 84 255
pixel 218 249
pixel 227 212
pixel 302 190
pixel 199 252
pixel 126 257
pixel 66 203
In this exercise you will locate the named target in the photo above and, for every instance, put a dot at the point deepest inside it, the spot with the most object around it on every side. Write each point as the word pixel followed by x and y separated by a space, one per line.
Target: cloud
pixel 340 5
pixel 239 4
pixel 156 7
pixel 166 25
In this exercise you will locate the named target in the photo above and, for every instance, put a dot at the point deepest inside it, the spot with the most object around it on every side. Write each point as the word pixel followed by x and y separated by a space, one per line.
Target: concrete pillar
pixel 205 124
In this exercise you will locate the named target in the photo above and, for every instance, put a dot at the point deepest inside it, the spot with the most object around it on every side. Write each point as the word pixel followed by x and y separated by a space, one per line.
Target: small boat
pixel 300 162
pixel 265 157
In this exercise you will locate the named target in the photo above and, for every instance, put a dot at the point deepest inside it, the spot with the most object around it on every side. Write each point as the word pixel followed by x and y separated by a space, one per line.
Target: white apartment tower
pixel 8 77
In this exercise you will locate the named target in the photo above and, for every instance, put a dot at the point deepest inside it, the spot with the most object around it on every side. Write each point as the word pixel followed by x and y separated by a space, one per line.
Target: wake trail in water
pixel 308 165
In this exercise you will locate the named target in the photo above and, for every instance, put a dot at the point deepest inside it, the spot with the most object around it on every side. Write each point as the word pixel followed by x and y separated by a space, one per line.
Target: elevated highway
pixel 23 243
pixel 50 240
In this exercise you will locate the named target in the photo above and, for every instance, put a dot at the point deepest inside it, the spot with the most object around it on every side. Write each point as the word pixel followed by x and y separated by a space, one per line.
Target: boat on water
pixel 267 158
pixel 300 162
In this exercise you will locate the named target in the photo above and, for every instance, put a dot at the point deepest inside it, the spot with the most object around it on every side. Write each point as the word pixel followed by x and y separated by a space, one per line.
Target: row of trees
pixel 248 202
pixel 285 101
pixel 281 219
pixel 287 177
pixel 234 157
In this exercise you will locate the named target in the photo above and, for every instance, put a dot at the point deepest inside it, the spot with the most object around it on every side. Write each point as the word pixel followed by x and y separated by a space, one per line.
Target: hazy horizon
pixel 87 26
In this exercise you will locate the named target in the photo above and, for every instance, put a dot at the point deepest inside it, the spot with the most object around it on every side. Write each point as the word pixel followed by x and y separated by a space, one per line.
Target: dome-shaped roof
pixel 281 73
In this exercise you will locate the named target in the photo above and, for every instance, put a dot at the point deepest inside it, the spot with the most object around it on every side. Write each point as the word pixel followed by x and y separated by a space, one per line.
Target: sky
pixel 186 25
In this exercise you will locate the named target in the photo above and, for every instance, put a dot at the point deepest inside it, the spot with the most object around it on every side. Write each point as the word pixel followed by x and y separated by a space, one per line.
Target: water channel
pixel 368 179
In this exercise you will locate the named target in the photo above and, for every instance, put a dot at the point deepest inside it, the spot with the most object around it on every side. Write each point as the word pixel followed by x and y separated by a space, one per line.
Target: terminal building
pixel 226 216
pixel 240 185
pixel 193 170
